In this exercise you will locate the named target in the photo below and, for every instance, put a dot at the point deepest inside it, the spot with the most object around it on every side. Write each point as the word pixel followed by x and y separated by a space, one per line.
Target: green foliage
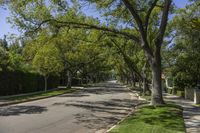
pixel 181 94
pixel 47 61
pixel 16 82
pixel 183 57
pixel 11 56
pixel 62 39
pixel 4 43
pixel 15 61
pixel 3 58
pixel 128 60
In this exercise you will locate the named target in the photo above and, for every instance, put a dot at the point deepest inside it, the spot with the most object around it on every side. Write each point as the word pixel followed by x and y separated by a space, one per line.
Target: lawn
pixel 41 95
pixel 197 105
pixel 151 119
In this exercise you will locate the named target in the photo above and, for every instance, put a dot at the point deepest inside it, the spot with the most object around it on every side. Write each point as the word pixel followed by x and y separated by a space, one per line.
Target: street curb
pixel 121 120
pixel 131 112
pixel 30 100
pixel 26 94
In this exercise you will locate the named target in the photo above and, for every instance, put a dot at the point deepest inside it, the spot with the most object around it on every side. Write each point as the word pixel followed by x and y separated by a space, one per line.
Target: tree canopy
pixel 133 38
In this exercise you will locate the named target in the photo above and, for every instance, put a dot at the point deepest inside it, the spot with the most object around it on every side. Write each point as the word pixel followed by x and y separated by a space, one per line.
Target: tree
pixel 131 57
pixel 147 20
pixel 16 59
pixel 4 58
pixel 146 23
pixel 183 53
pixel 11 55
pixel 77 51
pixel 47 61
pixel 4 43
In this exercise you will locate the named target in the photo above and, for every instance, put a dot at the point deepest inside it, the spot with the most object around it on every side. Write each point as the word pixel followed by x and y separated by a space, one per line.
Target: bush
pixel 180 93
pixel 169 91
pixel 16 82
pixel 181 81
pixel 76 81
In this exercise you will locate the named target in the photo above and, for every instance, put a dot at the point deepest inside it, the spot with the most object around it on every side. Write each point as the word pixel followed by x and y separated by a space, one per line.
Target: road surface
pixel 91 110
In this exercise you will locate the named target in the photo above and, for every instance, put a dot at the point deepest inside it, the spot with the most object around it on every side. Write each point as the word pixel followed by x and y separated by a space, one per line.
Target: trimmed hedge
pixel 17 82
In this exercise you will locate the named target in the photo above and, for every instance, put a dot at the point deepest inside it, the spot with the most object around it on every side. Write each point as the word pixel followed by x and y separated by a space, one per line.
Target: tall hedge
pixel 17 82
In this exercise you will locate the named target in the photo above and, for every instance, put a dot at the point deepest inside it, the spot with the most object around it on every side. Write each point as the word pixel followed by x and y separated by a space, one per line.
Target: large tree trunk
pixel 69 79
pixel 145 86
pixel 157 97
pixel 155 65
pixel 133 78
pixel 45 83
pixel 154 60
pixel 127 80
pixel 140 84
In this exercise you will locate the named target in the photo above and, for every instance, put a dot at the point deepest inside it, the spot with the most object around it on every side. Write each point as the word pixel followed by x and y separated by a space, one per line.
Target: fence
pixel 197 96
pixel 189 93
pixel 192 94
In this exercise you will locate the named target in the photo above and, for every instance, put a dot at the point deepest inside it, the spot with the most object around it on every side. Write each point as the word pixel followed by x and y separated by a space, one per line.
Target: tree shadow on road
pixel 104 90
pixel 18 110
pixel 74 95
pixel 101 114
pixel 94 121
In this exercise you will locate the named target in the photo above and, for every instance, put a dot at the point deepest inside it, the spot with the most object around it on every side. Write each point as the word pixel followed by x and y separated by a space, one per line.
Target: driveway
pixel 93 109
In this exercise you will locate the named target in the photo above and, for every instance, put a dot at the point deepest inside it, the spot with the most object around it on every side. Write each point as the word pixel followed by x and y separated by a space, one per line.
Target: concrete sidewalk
pixel 191 114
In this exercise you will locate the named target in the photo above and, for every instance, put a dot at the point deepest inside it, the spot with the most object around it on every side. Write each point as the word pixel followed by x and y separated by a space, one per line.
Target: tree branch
pixel 127 59
pixel 149 14
pixel 136 17
pixel 144 43
pixel 163 24
pixel 87 26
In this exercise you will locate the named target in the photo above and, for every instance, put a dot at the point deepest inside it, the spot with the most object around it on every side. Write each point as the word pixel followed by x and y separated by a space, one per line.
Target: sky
pixel 6 28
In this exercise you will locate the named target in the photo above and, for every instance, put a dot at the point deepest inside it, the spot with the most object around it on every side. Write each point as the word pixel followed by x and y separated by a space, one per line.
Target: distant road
pixel 93 109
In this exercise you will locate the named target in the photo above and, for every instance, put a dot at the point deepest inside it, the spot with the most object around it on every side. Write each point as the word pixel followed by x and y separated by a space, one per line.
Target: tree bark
pixel 153 55
pixel 69 79
pixel 140 84
pixel 133 78
pixel 157 97
pixel 45 83
pixel 145 86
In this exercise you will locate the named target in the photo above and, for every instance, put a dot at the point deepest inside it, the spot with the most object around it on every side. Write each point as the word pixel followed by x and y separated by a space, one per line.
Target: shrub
pixel 16 82
pixel 180 93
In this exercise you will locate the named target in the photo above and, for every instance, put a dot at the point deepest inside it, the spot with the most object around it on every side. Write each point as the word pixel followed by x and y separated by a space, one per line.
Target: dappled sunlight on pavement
pixel 92 109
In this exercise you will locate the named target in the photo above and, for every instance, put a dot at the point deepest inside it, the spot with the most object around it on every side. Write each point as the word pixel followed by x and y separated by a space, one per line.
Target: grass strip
pixel 153 119
pixel 32 97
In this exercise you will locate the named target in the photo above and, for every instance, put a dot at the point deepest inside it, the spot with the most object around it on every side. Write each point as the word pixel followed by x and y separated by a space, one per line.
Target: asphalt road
pixel 91 110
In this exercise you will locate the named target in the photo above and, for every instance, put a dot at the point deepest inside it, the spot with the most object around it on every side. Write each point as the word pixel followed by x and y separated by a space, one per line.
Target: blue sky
pixel 6 28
